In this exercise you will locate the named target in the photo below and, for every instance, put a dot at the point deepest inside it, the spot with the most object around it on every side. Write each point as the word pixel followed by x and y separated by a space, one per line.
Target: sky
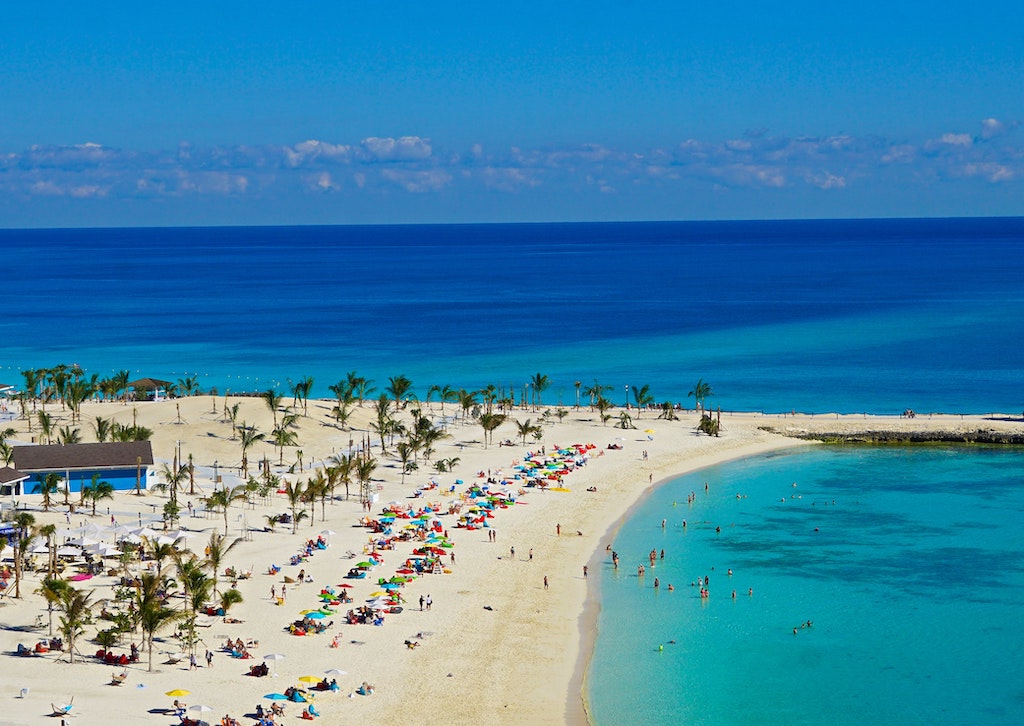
pixel 200 113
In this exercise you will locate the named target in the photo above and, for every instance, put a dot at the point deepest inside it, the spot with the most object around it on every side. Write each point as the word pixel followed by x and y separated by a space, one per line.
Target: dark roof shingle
pixel 82 456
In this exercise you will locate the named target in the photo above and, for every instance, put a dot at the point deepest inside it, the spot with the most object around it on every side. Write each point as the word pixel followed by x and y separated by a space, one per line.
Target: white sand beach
pixel 495 647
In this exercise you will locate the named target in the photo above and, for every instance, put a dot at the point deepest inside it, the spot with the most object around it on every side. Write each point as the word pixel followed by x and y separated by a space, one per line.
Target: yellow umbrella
pixel 648 431
pixel 178 692
pixel 311 679
pixel 378 593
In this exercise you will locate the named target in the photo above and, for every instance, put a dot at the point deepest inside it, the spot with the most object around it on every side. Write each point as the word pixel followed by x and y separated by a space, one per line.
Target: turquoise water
pixel 909 562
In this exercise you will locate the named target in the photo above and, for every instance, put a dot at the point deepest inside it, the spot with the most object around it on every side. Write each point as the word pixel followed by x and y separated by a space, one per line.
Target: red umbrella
pixel 344 584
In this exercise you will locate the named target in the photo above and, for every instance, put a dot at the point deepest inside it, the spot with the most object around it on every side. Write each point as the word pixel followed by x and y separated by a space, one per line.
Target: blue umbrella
pixel 276 697
pixel 316 615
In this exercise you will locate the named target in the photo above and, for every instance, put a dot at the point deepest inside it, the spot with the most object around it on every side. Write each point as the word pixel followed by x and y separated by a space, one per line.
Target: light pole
pixel 627 396
pixel 216 476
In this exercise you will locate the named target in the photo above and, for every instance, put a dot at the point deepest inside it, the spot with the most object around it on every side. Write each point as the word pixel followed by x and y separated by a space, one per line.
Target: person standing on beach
pixel 430 602
pixel 209 659
pixel 512 552
pixel 585 570
pixel 421 602
pixel 531 554
pixel 558 530
pixel 545 582
pixel 192 665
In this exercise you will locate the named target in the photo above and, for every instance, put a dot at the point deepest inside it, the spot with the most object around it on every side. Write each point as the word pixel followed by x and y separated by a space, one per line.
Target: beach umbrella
pixel 364 564
pixel 274 657
pixel 200 708
pixel 335 672
pixel 276 697
pixel 68 551
pixel 315 614
pixel 345 584
pixel 310 679
pixel 327 532
pixel 178 693
pixel 144 532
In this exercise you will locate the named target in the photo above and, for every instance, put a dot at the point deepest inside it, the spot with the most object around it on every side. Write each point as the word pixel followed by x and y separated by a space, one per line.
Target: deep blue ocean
pixel 914 577
pixel 817 316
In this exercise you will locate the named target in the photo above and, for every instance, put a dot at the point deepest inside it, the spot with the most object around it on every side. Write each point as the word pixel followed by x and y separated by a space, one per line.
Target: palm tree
pixel 47 485
pixel 295 494
pixel 25 522
pixel 249 436
pixel 46 425
pixel 189 386
pixel 50 532
pixel 343 464
pixel 489 422
pixel 596 392
pixel 283 437
pixel 527 428
pixel 198 588
pixel 700 392
pixel 384 421
pixel 365 467
pixel 6 453
pixel 578 385
pixel 467 399
pixel 318 488
pixel 224 498
pixel 229 598
pixel 101 427
pixel 33 377
pixel 602 405
pixel 77 608
pixel 152 610
pixel 301 391
pixel 68 435
pixel 175 478
pixel 642 396
pixel 217 550
pixel 399 387
pixel 96 491
pixel 405 455
pixel 273 400
pixel 51 589
pixel 540 383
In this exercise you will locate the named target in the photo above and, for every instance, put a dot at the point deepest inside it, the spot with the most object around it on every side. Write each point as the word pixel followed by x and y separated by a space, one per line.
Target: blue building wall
pixel 121 479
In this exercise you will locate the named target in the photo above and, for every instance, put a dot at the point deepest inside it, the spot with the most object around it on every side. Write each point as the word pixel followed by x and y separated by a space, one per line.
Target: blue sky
pixel 260 113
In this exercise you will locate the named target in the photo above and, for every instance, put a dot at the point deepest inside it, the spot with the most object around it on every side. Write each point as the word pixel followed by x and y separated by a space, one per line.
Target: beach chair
pixel 64 710
pixel 118 678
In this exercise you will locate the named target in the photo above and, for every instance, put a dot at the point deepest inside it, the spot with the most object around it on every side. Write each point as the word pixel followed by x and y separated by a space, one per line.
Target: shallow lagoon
pixel 908 562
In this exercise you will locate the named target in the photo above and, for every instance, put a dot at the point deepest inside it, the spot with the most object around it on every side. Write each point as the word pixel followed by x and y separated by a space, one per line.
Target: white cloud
pixel 990 171
pixel 406 148
pixel 418 182
pixel 964 140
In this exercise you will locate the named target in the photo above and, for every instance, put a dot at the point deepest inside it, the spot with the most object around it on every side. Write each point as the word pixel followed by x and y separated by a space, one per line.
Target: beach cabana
pixel 123 464
pixel 149 389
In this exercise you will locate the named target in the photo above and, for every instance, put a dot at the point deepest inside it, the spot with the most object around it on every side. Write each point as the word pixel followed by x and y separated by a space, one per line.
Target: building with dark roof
pixel 124 464
pixel 11 481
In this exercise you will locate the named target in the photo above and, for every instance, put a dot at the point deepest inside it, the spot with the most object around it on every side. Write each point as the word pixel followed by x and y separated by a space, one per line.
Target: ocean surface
pixel 908 562
pixel 816 316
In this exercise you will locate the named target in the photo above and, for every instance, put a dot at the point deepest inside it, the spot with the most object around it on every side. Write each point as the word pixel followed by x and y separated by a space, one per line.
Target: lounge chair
pixel 63 710
pixel 118 678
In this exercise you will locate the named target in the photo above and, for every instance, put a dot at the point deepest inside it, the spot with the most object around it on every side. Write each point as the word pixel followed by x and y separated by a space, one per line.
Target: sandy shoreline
pixel 503 648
